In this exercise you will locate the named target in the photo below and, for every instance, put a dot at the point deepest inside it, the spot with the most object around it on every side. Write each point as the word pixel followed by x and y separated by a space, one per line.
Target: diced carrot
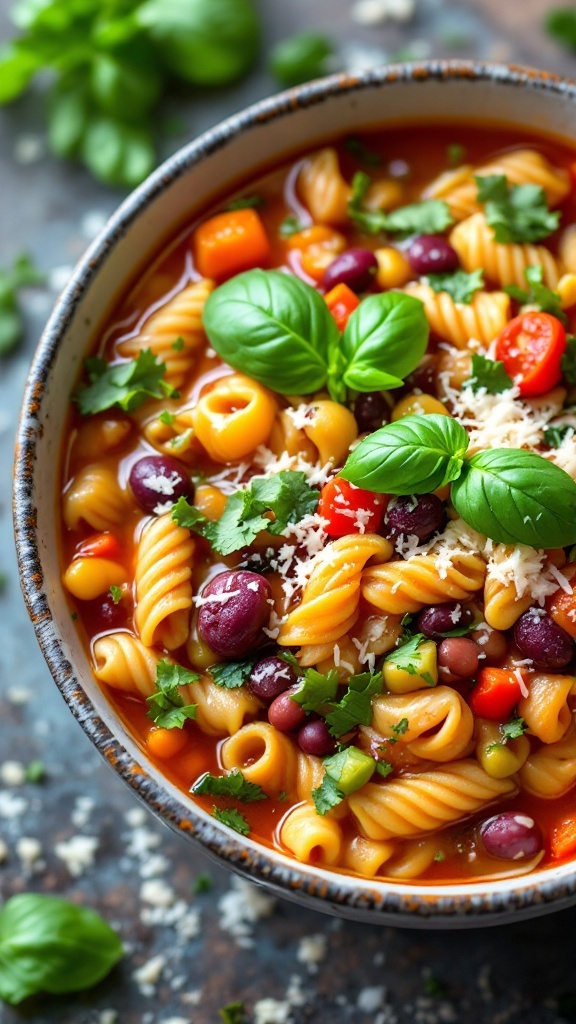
pixel 496 693
pixel 230 242
pixel 562 606
pixel 563 840
pixel 166 743
pixel 319 246
pixel 341 302
pixel 100 545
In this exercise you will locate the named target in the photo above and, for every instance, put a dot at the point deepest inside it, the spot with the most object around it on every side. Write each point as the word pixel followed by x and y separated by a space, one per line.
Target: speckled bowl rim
pixel 471 904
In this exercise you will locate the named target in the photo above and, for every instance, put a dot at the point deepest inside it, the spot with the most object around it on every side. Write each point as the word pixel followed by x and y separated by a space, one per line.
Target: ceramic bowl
pixel 238 149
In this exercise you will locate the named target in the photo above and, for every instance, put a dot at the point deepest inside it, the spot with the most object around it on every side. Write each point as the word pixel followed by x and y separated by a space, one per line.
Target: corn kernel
pixel 394 271
pixel 424 671
pixel 422 405
pixel 210 500
pixel 87 578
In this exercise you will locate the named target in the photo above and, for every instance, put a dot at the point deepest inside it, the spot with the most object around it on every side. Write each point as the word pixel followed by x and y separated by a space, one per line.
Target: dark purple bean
pixel 423 379
pixel 231 621
pixel 442 618
pixel 432 254
pixel 418 515
pixel 538 637
pixel 355 267
pixel 270 677
pixel 459 657
pixel 285 714
pixel 314 738
pixel 512 835
pixel 371 410
pixel 158 481
pixel 106 615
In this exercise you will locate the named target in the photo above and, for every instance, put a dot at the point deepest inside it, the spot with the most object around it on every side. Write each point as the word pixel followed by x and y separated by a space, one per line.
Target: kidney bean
pixel 371 411
pixel 355 267
pixel 285 714
pixel 492 644
pixel 231 622
pixel 104 614
pixel 441 618
pixel 417 515
pixel 158 480
pixel 537 636
pixel 511 835
pixel 270 677
pixel 459 656
pixel 432 254
pixel 314 738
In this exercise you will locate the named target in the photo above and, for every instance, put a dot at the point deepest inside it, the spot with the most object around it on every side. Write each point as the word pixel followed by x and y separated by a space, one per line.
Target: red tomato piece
pixel 350 509
pixel 100 545
pixel 496 693
pixel 563 839
pixel 341 302
pixel 531 347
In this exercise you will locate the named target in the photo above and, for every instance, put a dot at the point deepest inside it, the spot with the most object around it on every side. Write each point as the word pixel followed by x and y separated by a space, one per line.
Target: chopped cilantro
pixel 316 689
pixel 232 674
pixel 124 384
pixel 400 728
pixel 22 274
pixel 537 294
pixel 513 729
pixel 287 495
pixel 233 785
pixel 202 883
pixel 167 708
pixel 362 152
pixel 233 1013
pixel 554 436
pixel 345 772
pixel 384 768
pixel 439 856
pixel 115 594
pixel 455 154
pixel 409 658
pixel 489 374
pixel 178 344
pixel 233 819
pixel 516 213
pixel 290 226
pixel 327 795
pixel 569 360
pixel 282 796
pixel 289 658
pixel 426 218
pixel 245 202
pixel 459 285
pixel 35 771
pixel 355 707
pixel 167 418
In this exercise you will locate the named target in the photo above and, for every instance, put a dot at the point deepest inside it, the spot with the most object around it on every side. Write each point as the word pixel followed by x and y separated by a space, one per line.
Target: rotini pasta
pixel 482 318
pixel 123 662
pixel 95 497
pixel 400 587
pixel 550 771
pixel 163 587
pixel 440 723
pixel 503 263
pixel 312 840
pixel 545 709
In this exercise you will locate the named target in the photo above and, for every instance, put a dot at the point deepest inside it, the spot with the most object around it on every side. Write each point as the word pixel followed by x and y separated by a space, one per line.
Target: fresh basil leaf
pixel 516 213
pixel 116 152
pixel 537 294
pixel 355 707
pixel 274 327
pixel 357 148
pixel 488 374
pixel 17 69
pixel 517 497
pixel 50 945
pixel 22 274
pixel 414 455
pixel 233 819
pixel 569 360
pixel 68 113
pixel 124 384
pixel 316 689
pixel 230 675
pixel 384 340
pixel 459 285
pixel 554 436
pixel 233 785
pixel 300 58
pixel 166 707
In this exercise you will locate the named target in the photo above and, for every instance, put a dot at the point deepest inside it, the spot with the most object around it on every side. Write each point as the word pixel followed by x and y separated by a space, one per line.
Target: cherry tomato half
pixel 350 509
pixel 100 545
pixel 531 347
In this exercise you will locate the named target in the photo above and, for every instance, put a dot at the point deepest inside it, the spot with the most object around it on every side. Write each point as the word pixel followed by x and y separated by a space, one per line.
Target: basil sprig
pixel 507 494
pixel 279 330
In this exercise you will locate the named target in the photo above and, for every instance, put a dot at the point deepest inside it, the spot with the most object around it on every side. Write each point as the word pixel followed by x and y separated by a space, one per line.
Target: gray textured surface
pixel 512 974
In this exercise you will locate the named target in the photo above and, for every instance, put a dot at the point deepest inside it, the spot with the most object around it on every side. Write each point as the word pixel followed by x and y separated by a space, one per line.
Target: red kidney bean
pixel 459 656
pixel 511 835
pixel 441 618
pixel 105 615
pixel 355 267
pixel 432 254
pixel 285 714
pixel 492 644
pixel 270 677
pixel 417 515
pixel 159 480
pixel 371 410
pixel 231 622
pixel 314 738
pixel 538 637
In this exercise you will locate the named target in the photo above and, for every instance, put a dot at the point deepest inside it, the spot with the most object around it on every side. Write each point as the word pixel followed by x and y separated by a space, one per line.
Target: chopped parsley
pixel 166 707
pixel 115 594
pixel 537 294
pixel 327 795
pixel 233 819
pixel 245 202
pixel 355 707
pixel 167 418
pixel 516 213
pixel 429 217
pixel 399 729
pixel 290 226
pixel 384 768
pixel 408 658
pixel 358 149
pixel 232 674
pixel 202 883
pixel 233 785
pixel 178 344
pixel 554 436
pixel 126 385
pixel 439 856
pixel 316 689
pixel 345 772
pixel 488 374
pixel 513 729
pixel 459 285
pixel 287 495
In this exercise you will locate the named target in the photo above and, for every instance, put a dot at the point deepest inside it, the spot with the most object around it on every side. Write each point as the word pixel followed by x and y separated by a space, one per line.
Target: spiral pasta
pixel 122 661
pixel 174 438
pixel 163 587
pixel 329 606
pixel 271 759
pixel 503 263
pixel 502 604
pixel 312 839
pixel 95 497
pixel 439 722
pixel 545 710
pixel 178 320
pixel 550 771
pixel 420 803
pixel 482 318
pixel 221 712
pixel 100 434
pixel 407 586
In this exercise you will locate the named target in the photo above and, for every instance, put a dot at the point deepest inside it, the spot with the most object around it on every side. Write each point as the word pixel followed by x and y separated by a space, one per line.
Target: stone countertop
pixel 80 832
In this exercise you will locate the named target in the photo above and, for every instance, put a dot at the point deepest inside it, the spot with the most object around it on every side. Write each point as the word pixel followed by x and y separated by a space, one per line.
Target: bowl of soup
pixel 295 503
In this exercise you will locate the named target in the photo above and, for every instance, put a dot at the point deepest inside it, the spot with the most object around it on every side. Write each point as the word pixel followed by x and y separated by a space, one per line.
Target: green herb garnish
pixel 22 274
pixel 315 689
pixel 384 768
pixel 516 213
pixel 290 226
pixel 166 707
pixel 430 217
pixel 233 819
pixel 230 675
pixel 232 785
pixel 537 294
pixel 569 360
pixel 488 374
pixel 459 285
pixel 233 1013
pixel 126 385
pixel 345 772
pixel 357 148
pixel 409 658
pixel 167 418
pixel 245 203
pixel 554 436
pixel 115 594
pixel 355 707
